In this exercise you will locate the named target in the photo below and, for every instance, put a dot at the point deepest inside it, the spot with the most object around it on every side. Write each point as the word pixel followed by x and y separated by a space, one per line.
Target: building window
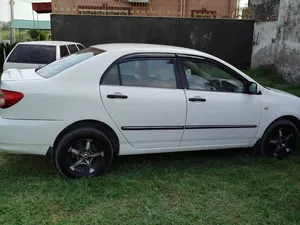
pixel 103 10
pixel 204 13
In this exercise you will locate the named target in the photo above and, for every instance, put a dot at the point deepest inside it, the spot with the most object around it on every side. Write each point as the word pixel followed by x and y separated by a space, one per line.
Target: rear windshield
pixel 35 54
pixel 67 62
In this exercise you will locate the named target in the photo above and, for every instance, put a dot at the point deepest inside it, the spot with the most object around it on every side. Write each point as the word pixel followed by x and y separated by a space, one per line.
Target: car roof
pixel 134 47
pixel 49 42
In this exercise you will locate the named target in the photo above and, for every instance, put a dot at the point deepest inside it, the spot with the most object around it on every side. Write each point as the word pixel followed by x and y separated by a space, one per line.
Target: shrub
pixel 37 35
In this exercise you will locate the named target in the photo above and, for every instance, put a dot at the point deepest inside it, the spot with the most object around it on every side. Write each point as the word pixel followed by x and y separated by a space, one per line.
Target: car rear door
pixel 220 112
pixel 143 96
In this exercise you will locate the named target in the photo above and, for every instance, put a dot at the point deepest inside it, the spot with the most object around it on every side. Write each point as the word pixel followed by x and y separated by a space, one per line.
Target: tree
pixel 37 35
pixel 43 36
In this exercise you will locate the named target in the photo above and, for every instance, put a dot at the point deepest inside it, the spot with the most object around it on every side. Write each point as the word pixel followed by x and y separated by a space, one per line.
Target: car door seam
pixel 186 115
pixel 117 127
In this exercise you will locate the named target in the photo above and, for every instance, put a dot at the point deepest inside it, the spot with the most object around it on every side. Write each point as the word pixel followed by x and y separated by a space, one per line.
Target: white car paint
pixel 136 112
pixel 218 111
pixel 18 65
pixel 52 104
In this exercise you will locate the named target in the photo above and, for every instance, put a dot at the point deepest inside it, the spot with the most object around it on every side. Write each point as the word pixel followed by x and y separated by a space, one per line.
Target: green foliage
pixel 37 35
pixel 5 35
pixel 34 34
pixel 43 36
pixel 266 76
pixel 270 78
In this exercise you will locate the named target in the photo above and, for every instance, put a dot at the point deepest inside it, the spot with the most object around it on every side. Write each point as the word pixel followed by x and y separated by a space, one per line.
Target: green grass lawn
pixel 273 80
pixel 208 187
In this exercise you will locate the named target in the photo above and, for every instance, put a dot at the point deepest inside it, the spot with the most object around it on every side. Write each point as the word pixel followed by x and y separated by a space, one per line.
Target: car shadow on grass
pixel 184 160
pixel 25 165
pixel 34 165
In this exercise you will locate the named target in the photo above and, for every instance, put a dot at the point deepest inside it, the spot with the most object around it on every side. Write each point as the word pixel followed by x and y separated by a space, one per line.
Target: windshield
pixel 31 53
pixel 67 62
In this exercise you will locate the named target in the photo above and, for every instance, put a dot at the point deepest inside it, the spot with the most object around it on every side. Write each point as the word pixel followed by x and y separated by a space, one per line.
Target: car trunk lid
pixel 18 75
pixel 14 85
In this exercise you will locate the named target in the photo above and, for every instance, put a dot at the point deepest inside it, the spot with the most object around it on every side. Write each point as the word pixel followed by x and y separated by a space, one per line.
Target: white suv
pixel 34 54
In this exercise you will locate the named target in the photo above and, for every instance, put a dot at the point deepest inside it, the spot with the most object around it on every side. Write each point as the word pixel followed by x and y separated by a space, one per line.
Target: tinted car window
pixel 112 77
pixel 143 73
pixel 67 62
pixel 30 53
pixel 209 77
pixel 148 73
pixel 63 51
pixel 72 48
pixel 80 47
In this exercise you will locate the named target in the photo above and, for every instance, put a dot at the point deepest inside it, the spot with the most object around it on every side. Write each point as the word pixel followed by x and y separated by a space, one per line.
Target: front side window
pixel 31 53
pixel 158 73
pixel 206 76
pixel 67 62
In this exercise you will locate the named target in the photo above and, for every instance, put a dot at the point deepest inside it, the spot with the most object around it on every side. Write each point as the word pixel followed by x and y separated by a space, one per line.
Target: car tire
pixel 83 152
pixel 280 139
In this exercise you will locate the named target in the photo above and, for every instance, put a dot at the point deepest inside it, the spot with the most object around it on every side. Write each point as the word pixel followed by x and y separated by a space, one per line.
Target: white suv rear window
pixel 67 62
pixel 34 54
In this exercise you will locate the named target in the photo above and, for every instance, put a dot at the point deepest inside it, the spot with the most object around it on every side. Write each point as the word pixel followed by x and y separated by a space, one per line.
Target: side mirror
pixel 253 88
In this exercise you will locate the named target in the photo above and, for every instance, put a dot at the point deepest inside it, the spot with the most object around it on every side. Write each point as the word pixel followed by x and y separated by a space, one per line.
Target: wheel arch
pixel 111 134
pixel 290 118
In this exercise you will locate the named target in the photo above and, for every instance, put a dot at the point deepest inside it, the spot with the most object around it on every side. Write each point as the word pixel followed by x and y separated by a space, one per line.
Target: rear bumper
pixel 29 136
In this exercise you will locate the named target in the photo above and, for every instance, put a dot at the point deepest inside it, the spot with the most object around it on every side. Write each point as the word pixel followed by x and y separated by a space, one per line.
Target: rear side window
pixel 80 47
pixel 72 48
pixel 158 73
pixel 67 62
pixel 35 54
pixel 112 77
pixel 63 51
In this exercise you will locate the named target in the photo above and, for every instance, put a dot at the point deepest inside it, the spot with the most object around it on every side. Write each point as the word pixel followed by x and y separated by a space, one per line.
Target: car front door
pixel 220 112
pixel 144 99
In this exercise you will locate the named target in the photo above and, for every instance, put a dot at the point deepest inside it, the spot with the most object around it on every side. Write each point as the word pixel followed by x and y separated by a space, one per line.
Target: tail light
pixel 9 98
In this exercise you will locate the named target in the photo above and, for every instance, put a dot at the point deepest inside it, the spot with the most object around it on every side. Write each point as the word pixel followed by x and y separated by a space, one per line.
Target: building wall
pixel 264 10
pixel 278 43
pixel 264 44
pixel 287 58
pixel 230 40
pixel 166 8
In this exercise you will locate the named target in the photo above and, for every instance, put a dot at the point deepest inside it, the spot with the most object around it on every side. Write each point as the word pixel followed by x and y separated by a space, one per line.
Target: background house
pixel 166 8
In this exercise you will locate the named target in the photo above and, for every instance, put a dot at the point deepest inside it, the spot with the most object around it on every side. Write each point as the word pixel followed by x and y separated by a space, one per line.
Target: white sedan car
pixel 123 99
